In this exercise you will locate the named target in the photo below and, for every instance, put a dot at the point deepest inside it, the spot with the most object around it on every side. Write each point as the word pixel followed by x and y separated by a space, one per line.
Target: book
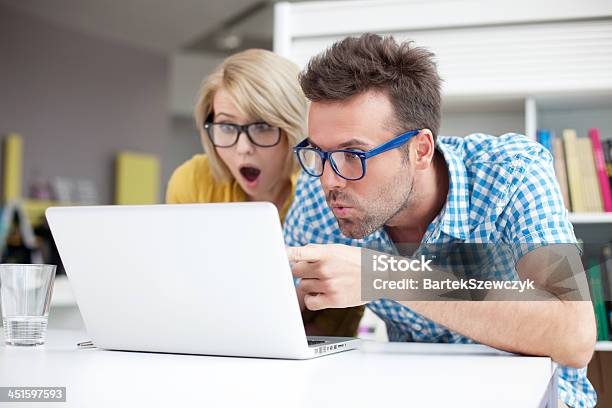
pixel 573 170
pixel 561 171
pixel 543 136
pixel 590 185
pixel 137 178
pixel 606 274
pixel 597 297
pixel 12 155
pixel 607 149
pixel 600 169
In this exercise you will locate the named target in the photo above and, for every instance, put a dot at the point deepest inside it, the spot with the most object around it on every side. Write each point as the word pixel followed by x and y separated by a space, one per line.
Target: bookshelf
pixel 594 227
pixel 603 346
pixel 591 218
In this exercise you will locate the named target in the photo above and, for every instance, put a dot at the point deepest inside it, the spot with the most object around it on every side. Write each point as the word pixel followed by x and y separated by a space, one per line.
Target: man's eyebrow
pixel 310 142
pixel 353 142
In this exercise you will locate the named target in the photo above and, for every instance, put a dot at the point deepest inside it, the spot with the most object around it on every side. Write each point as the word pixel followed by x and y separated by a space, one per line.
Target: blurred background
pixel 96 98
pixel 82 81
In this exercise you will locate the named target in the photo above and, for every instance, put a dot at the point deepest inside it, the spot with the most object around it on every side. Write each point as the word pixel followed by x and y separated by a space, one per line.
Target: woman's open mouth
pixel 250 174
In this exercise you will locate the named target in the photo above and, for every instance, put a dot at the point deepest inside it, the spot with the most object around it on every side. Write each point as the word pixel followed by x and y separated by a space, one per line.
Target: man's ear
pixel 422 149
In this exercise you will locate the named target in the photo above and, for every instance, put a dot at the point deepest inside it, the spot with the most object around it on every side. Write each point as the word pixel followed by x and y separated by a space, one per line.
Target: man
pixel 372 95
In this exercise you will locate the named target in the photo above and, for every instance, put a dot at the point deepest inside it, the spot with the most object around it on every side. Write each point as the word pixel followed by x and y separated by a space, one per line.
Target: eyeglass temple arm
pixel 391 144
pixel 303 143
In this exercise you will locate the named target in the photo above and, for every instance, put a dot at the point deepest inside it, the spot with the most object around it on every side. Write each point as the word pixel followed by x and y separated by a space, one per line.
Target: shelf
pixel 577 100
pixel 603 346
pixel 483 103
pixel 590 218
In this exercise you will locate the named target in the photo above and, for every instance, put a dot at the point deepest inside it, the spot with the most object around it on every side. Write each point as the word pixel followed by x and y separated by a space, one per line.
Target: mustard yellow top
pixel 193 182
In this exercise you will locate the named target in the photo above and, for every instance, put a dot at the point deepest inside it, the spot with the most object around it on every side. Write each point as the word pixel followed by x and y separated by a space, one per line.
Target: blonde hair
pixel 263 86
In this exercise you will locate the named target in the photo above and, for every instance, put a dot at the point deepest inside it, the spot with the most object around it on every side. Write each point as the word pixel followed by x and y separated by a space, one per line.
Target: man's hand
pixel 330 275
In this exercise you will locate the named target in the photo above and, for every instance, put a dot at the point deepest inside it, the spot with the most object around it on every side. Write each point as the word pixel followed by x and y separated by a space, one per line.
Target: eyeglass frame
pixel 394 143
pixel 241 129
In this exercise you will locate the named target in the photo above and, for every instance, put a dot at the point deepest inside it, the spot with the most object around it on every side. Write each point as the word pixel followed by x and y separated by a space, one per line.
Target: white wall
pixel 77 100
pixel 187 70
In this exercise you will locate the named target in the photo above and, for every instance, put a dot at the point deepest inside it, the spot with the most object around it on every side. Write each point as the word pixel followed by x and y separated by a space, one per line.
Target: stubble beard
pixel 389 201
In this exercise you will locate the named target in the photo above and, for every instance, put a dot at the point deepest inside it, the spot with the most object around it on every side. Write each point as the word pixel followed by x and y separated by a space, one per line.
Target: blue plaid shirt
pixel 501 189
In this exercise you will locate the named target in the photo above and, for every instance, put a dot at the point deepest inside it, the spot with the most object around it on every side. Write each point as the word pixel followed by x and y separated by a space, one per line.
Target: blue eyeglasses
pixel 348 164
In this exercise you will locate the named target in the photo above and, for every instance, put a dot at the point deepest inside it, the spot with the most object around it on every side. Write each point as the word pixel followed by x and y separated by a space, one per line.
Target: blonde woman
pixel 250 113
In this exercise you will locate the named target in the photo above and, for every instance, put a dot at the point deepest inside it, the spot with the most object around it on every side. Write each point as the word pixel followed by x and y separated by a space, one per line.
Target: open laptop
pixel 191 278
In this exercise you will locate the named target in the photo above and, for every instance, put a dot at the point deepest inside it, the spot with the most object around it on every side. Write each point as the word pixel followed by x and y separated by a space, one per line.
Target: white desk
pixel 397 375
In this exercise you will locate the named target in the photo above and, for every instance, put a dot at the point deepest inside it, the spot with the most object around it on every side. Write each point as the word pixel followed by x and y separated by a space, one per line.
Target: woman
pixel 250 113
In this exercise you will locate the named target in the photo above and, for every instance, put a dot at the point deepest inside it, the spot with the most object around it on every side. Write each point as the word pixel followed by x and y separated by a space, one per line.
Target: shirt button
pixel 416 327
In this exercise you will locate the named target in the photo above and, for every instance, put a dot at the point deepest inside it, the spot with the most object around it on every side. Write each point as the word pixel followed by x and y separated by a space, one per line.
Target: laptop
pixel 209 279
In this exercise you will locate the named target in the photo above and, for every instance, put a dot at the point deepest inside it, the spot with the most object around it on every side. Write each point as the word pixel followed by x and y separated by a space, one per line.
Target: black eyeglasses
pixel 348 164
pixel 226 134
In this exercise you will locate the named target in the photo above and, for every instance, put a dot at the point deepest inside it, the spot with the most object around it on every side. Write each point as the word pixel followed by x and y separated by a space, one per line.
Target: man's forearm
pixel 560 329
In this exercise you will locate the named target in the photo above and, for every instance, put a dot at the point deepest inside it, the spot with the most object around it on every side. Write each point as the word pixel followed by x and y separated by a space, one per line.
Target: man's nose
pixel 330 180
pixel 244 145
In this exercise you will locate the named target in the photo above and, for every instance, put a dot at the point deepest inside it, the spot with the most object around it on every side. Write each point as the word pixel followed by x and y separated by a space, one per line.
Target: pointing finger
pixel 307 253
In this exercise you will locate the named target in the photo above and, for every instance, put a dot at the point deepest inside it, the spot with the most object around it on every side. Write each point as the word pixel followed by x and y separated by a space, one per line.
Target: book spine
pixel 594 277
pixel 561 170
pixel 13 156
pixel 543 137
pixel 590 190
pixel 607 148
pixel 573 171
pixel 606 278
pixel 600 168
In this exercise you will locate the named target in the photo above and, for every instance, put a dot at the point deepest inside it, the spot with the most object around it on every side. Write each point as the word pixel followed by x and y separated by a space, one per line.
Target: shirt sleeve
pixel 291 227
pixel 535 214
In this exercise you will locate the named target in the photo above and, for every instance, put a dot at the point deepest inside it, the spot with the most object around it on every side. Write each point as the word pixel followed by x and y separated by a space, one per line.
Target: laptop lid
pixel 189 278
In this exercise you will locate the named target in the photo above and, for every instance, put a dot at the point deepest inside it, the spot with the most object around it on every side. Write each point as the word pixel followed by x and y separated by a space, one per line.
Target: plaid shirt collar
pixel 453 220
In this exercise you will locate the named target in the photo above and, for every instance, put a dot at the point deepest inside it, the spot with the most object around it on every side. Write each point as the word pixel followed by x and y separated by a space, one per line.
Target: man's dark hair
pixel 407 74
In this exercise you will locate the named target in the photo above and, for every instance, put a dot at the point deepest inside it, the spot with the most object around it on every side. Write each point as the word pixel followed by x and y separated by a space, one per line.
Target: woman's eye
pixel 226 128
pixel 261 126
